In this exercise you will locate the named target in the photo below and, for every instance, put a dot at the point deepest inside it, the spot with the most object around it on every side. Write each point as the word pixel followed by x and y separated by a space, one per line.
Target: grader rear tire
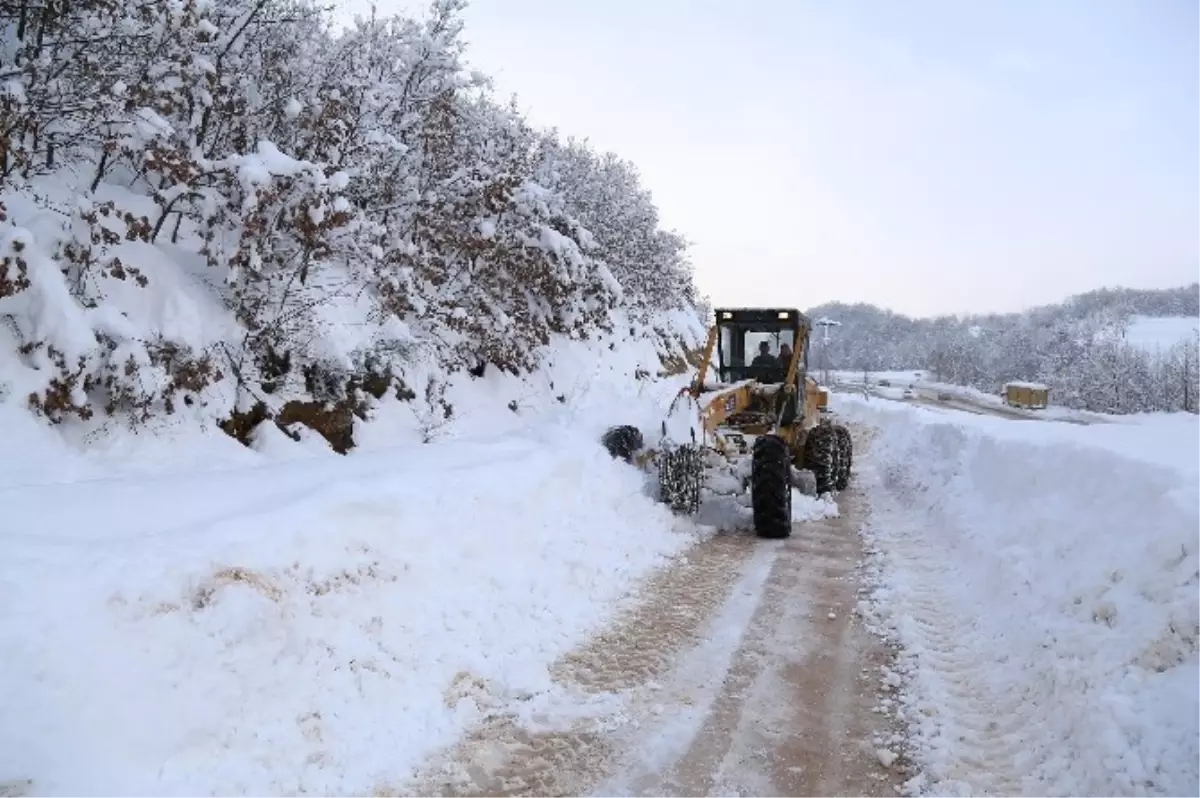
pixel 623 442
pixel 845 457
pixel 821 456
pixel 771 487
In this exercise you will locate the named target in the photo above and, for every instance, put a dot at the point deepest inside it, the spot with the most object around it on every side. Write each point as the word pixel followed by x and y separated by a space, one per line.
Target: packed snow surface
pixel 1042 579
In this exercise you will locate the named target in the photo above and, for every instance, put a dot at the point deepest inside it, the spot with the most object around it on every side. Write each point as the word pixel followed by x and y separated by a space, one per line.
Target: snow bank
pixel 610 379
pixel 1042 579
pixel 589 385
pixel 186 614
pixel 813 508
pixel 302 627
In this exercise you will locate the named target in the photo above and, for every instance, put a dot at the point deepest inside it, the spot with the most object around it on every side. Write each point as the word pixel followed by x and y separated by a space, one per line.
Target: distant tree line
pixel 1078 348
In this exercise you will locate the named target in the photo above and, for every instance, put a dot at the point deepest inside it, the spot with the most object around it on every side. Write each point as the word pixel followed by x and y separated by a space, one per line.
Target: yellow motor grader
pixel 757 398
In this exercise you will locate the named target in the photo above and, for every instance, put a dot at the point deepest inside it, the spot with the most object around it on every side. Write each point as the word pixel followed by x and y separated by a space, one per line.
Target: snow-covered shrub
pixel 80 357
pixel 278 222
pixel 231 205
pixel 604 194
pixel 490 260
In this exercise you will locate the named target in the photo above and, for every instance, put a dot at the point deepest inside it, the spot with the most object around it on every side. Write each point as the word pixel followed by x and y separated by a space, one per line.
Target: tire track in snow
pixel 968 729
pixel 644 641
pixel 503 756
pixel 742 669
pixel 794 712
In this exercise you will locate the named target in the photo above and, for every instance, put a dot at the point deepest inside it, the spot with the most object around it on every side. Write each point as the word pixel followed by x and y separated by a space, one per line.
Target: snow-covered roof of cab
pixel 1036 386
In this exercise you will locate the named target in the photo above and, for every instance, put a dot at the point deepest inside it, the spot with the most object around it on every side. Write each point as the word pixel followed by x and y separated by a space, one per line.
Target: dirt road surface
pixel 743 669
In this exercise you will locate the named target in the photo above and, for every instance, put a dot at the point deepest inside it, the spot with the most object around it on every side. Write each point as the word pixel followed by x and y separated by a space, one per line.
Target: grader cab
pixel 752 395
pixel 761 380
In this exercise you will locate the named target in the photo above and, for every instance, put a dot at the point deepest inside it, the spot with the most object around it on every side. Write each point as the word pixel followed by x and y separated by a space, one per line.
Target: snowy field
pixel 1042 579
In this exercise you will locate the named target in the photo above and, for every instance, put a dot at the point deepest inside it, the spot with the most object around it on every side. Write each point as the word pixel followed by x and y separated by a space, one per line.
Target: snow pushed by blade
pixel 318 625
pixel 1042 582
pixel 813 508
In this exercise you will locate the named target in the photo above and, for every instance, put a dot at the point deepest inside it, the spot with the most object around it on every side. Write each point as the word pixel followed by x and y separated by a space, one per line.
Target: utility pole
pixel 826 323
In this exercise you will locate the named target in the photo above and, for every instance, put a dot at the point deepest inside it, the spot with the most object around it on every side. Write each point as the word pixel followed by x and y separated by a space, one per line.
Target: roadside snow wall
pixel 314 626
pixel 1042 580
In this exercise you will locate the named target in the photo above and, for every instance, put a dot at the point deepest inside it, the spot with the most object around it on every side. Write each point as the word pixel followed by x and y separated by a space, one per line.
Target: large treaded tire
pixel 821 456
pixel 623 442
pixel 771 487
pixel 680 477
pixel 845 457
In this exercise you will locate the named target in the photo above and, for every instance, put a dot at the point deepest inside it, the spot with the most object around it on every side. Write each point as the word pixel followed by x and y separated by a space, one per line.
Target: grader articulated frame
pixel 769 408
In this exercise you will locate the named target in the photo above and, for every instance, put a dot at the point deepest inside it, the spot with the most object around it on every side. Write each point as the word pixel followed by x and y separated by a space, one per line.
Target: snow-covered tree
pixel 287 173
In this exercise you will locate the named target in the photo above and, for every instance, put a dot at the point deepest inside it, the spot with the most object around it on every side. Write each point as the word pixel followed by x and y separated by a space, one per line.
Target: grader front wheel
pixel 680 477
pixel 771 487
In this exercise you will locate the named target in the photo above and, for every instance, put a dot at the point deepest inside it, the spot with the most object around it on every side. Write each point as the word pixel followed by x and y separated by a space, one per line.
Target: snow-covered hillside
pixel 1160 334
pixel 1042 579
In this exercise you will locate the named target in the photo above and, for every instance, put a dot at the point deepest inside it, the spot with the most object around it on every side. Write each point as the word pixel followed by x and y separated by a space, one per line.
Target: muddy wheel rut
pixel 795 714
pixel 502 758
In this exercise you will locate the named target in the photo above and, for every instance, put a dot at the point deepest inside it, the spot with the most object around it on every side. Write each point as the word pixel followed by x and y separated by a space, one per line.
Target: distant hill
pixel 1091 349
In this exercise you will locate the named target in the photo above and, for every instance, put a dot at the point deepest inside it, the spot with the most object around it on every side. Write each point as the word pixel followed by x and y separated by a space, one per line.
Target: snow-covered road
pixel 1040 626
pixel 743 668
pixel 967 400
pixel 515 615
pixel 795 709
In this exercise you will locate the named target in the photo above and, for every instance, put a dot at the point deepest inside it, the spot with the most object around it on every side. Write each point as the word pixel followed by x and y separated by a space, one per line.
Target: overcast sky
pixel 928 156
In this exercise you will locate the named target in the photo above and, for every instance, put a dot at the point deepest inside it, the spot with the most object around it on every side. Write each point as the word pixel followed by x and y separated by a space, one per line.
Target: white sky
pixel 927 156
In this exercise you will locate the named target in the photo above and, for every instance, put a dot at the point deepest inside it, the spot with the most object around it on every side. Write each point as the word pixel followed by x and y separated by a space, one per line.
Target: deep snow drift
pixel 1042 579
pixel 183 614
